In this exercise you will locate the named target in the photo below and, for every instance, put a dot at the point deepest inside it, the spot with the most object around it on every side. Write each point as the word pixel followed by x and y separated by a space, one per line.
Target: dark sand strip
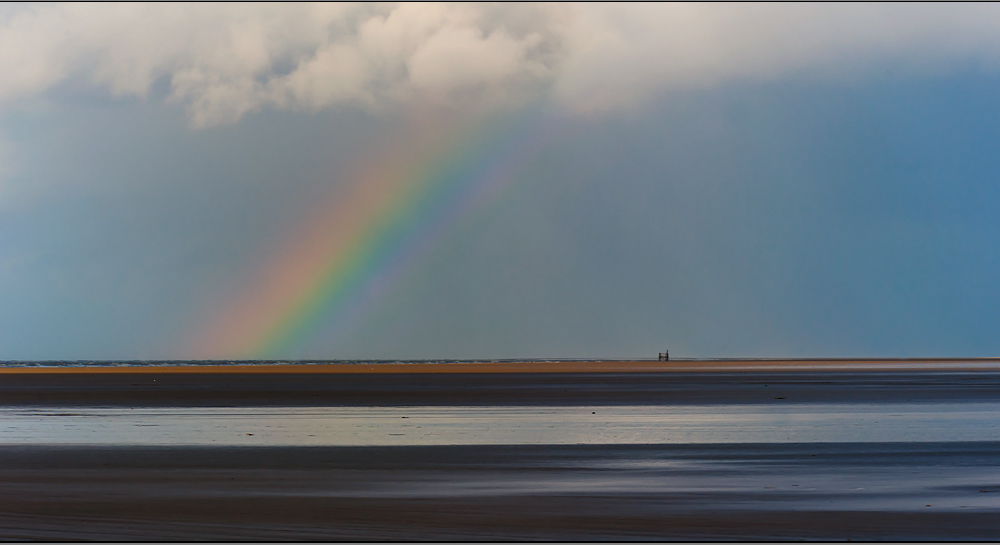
pixel 157 389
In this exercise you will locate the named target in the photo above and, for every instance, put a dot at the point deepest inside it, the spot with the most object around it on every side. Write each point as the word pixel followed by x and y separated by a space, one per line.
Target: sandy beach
pixel 555 450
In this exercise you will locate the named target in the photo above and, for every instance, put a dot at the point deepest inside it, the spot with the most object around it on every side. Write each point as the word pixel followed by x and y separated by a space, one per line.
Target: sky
pixel 466 181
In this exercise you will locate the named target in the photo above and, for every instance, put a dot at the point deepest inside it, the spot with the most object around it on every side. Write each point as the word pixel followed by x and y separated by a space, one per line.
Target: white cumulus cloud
pixel 223 61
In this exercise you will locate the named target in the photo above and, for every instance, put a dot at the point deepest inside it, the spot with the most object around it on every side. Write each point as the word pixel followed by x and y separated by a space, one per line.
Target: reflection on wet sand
pixel 360 426
pixel 897 491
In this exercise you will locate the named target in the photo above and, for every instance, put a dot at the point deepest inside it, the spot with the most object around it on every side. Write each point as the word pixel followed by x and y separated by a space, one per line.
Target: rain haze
pixel 499 181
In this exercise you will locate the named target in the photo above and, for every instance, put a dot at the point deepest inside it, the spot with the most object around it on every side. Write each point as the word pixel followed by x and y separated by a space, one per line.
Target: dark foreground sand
pixel 838 491
pixel 898 491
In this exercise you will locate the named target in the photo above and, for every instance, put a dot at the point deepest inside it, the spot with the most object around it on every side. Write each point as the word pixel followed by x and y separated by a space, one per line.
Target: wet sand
pixel 937 490
pixel 586 492
pixel 280 389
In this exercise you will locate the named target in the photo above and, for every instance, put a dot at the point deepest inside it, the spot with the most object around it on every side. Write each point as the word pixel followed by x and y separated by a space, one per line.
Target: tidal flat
pixel 784 452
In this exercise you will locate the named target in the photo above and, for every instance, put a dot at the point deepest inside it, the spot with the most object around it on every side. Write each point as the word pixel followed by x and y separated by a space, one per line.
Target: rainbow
pixel 363 235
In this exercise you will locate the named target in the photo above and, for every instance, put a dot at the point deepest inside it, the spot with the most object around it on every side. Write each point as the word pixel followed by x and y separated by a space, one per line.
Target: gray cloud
pixel 224 60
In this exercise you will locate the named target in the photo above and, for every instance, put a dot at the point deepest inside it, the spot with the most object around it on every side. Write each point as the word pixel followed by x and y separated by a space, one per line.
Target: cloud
pixel 226 60
pixel 614 55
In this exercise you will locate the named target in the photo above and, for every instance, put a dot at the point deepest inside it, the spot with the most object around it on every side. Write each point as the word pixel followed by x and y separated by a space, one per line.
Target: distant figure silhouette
pixel 664 356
